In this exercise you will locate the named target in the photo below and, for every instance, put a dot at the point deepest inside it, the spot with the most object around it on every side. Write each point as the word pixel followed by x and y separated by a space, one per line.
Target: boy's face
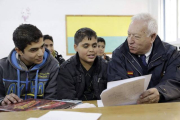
pixel 49 45
pixel 101 48
pixel 33 54
pixel 87 50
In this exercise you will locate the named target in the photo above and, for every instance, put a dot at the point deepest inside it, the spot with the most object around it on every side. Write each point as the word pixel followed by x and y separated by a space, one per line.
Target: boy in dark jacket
pixel 29 70
pixel 83 76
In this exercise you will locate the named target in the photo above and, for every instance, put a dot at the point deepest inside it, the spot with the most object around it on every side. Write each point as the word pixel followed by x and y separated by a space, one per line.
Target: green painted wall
pixel 111 43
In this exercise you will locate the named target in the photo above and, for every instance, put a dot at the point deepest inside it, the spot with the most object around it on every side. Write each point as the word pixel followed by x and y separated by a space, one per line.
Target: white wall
pixel 49 16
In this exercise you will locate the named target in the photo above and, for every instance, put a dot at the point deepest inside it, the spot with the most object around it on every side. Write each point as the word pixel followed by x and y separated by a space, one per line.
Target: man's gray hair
pixel 149 20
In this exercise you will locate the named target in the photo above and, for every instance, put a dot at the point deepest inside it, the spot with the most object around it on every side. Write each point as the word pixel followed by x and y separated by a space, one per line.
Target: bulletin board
pixel 112 28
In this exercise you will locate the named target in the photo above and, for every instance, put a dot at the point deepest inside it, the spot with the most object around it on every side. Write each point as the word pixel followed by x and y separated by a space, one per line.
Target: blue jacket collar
pixel 14 61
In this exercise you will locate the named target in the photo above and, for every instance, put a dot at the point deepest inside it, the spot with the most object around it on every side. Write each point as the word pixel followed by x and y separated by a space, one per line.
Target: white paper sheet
pixel 99 103
pixel 67 115
pixel 124 92
pixel 32 118
pixel 84 105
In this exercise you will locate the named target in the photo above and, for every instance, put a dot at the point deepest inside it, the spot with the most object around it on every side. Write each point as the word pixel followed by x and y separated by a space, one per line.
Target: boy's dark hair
pixel 82 33
pixel 25 34
pixel 48 37
pixel 100 39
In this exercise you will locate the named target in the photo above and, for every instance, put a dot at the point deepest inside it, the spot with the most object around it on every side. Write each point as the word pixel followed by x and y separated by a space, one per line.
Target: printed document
pixel 124 92
pixel 68 115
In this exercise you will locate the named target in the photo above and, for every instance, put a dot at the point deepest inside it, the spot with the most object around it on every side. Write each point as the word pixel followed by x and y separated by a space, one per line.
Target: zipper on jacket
pixel 98 80
pixel 132 64
pixel 153 55
pixel 98 85
pixel 135 60
pixel 27 79
pixel 154 61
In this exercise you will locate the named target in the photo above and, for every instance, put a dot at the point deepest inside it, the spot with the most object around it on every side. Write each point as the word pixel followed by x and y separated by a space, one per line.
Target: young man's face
pixel 49 45
pixel 101 48
pixel 33 54
pixel 87 50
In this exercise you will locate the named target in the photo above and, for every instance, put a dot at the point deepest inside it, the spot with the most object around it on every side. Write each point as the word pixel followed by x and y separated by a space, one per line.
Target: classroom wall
pixel 49 16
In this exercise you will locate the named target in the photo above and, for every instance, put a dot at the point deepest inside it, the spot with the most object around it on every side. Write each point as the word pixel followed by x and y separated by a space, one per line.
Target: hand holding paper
pixel 125 91
pixel 149 96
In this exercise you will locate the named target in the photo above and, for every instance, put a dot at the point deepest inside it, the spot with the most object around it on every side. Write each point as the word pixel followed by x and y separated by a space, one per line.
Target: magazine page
pixel 37 104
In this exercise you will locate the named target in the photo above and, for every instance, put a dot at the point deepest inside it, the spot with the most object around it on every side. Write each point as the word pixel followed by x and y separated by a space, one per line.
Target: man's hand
pixel 149 96
pixel 11 98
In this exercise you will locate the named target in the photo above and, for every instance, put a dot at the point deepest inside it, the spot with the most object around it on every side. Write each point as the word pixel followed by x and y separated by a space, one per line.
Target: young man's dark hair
pixel 100 39
pixel 83 76
pixel 47 37
pixel 49 44
pixel 25 34
pixel 29 70
pixel 82 33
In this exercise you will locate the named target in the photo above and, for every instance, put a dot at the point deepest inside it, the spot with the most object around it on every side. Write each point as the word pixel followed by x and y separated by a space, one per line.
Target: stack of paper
pixel 66 115
pixel 124 92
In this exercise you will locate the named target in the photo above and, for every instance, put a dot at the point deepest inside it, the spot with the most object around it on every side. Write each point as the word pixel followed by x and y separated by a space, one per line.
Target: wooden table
pixel 160 111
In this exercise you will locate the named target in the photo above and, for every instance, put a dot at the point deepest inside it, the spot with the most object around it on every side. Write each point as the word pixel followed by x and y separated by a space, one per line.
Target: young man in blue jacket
pixel 30 70
pixel 83 76
pixel 144 53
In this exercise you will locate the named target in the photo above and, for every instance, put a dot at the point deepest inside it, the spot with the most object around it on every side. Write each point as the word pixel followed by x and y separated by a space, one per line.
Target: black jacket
pixel 108 58
pixel 59 58
pixel 71 79
pixel 164 66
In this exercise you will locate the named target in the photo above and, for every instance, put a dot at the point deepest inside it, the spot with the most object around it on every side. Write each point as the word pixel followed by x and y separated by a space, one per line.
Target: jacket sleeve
pixel 169 86
pixel 65 85
pixel 51 86
pixel 2 88
pixel 116 68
